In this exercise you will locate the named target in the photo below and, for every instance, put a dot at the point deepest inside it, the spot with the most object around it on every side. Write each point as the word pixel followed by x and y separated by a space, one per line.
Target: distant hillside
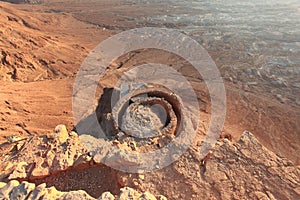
pixel 33 48
pixel 23 1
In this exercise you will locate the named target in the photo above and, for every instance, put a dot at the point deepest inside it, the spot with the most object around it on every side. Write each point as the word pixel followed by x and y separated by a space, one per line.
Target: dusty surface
pixel 34 48
pixel 42 47
pixel 21 34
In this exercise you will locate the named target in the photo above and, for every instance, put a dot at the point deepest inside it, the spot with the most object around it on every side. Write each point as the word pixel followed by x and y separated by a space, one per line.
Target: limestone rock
pixel 83 159
pixel 161 197
pixel 73 134
pixel 261 195
pixel 52 193
pixel 107 196
pixel 19 171
pixel 61 162
pixel 61 133
pixel 2 184
pixel 77 195
pixel 4 191
pixel 147 196
pixel 39 170
pixel 8 166
pixel 47 155
pixel 38 192
pixel 15 191
pixel 128 193
pixel 257 172
pixel 21 191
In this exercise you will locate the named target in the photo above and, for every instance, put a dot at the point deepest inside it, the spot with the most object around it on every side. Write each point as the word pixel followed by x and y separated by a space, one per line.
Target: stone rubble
pixel 245 169
pixel 14 190
pixel 48 154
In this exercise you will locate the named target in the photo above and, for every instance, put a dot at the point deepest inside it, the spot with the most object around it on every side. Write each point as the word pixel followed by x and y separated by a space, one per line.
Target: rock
pixel 38 192
pixel 118 157
pixel 128 193
pixel 247 165
pixel 142 176
pixel 161 197
pixel 8 166
pixel 52 193
pixel 19 171
pixel 2 184
pixel 135 183
pixel 64 160
pixel 107 196
pixel 73 134
pixel 132 145
pixel 76 195
pixel 49 158
pixel 297 190
pixel 61 133
pixel 15 191
pixel 147 196
pixel 261 196
pixel 21 191
pixel 47 155
pixel 116 142
pixel 270 195
pixel 281 98
pixel 83 159
pixel 61 162
pixel 65 155
pixel 8 188
pixel 39 170
pixel 13 138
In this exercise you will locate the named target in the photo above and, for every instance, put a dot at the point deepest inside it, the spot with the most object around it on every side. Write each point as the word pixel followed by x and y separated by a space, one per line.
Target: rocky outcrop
pixel 24 190
pixel 249 170
pixel 43 155
pixel 242 170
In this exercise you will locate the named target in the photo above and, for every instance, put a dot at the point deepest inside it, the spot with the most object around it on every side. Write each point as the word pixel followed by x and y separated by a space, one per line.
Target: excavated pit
pixel 149 116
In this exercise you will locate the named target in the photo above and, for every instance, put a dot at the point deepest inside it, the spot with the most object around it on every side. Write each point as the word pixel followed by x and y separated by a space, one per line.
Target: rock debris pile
pixel 24 190
pixel 45 165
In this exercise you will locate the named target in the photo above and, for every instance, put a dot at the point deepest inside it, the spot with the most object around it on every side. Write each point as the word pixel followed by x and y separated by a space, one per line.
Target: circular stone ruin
pixel 147 116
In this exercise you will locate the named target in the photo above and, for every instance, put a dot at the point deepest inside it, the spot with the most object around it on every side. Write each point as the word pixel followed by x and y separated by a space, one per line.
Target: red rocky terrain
pixel 43 46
